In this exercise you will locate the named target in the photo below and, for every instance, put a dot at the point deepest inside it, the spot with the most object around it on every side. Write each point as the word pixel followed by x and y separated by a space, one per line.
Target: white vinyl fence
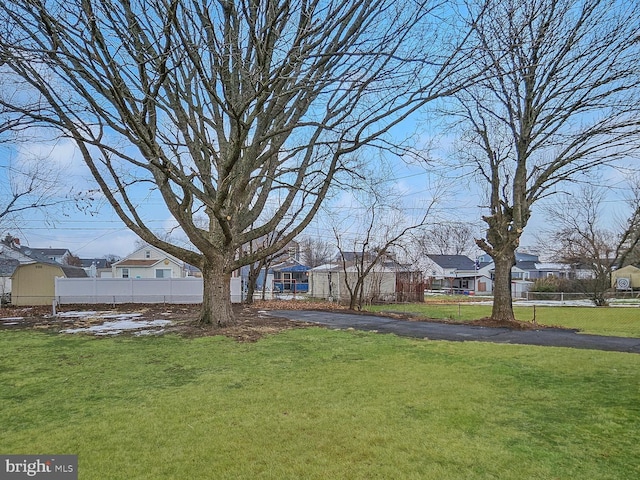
pixel 135 290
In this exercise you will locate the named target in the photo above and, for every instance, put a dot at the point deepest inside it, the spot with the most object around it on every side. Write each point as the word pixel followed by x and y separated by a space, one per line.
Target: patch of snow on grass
pixel 118 326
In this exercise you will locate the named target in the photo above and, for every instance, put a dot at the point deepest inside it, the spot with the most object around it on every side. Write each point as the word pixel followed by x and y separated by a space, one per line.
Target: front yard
pixel 314 403
pixel 621 321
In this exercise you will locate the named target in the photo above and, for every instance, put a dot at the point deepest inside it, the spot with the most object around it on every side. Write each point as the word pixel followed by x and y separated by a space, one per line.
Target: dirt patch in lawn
pixel 252 322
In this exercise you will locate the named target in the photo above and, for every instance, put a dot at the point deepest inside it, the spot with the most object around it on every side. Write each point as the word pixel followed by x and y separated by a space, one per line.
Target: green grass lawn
pixel 319 404
pixel 614 321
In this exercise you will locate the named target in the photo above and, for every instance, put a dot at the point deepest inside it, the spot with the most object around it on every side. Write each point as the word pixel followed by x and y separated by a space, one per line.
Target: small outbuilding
pixel 34 283
pixel 290 276
pixel 626 278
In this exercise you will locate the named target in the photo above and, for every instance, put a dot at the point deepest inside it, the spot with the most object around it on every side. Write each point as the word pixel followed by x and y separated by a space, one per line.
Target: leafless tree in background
pixel 225 108
pixel 316 251
pixel 447 238
pixel 30 186
pixel 370 237
pixel 561 98
pixel 629 245
pixel 577 236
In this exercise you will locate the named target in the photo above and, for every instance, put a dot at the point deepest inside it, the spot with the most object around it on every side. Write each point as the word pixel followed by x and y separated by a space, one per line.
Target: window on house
pixel 163 273
pixel 125 273
pixel 147 254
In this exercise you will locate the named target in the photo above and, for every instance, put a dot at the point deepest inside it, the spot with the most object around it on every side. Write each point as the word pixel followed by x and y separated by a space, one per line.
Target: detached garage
pixel 34 284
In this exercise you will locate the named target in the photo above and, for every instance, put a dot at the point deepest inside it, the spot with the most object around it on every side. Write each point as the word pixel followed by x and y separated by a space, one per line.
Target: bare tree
pixel 629 245
pixel 112 258
pixel 560 99
pixel 29 186
pixel 72 260
pixel 446 238
pixel 225 107
pixel 367 238
pixel 316 251
pixel 579 238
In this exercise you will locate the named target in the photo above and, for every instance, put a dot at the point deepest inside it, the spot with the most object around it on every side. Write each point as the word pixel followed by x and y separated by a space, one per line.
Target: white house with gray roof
pixel 456 274
pixel 149 262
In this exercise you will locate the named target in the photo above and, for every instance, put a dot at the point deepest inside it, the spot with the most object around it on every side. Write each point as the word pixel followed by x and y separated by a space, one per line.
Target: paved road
pixel 551 337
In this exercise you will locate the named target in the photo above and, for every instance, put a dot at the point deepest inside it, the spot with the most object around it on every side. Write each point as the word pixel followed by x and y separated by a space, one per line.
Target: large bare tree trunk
pixel 502 301
pixel 216 299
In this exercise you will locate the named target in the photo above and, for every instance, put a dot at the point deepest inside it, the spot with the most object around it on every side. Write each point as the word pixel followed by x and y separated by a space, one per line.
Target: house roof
pixel 69 271
pixel 8 266
pixel 327 267
pixel 55 252
pixel 161 254
pixel 32 254
pixel 138 263
pixel 627 269
pixel 459 262
pixel 99 262
pixel 552 266
pixel 290 265
pixel 191 268
pixel 526 265
pixel 350 256
pixel 73 272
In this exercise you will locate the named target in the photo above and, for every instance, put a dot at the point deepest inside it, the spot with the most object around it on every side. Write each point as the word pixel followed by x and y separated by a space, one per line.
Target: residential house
pixel 456 274
pixel 522 273
pixel 290 276
pixel 288 258
pixel 34 283
pixel 526 267
pixel 58 255
pixel 96 267
pixel 460 274
pixel 149 262
pixel 388 280
pixel 554 269
pixel 7 267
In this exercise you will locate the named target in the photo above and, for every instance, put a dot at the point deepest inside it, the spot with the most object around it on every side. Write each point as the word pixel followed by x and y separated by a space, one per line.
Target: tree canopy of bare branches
pixel 224 108
pixel 578 236
pixel 26 187
pixel 446 238
pixel 560 98
pixel 315 251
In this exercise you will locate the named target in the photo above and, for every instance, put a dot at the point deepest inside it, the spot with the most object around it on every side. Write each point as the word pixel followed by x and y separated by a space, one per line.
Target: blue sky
pixel 94 230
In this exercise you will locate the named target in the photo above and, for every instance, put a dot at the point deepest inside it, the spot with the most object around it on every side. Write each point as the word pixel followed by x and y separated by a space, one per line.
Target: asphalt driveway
pixel 550 337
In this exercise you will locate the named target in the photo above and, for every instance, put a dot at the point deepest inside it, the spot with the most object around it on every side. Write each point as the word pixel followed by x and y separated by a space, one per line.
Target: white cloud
pixel 63 153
